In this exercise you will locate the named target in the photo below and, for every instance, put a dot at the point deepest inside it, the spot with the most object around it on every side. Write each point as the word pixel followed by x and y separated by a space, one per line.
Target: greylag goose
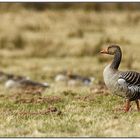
pixel 21 82
pixel 84 80
pixel 61 77
pixel 6 76
pixel 124 84
pixel 24 83
pixel 72 79
pixel 16 81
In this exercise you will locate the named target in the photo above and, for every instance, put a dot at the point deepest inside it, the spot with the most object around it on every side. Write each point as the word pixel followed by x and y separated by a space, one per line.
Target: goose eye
pixel 112 50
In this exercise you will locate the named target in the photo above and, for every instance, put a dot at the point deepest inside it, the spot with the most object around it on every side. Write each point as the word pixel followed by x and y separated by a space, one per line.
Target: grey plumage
pixel 131 77
pixel 17 81
pixel 25 83
pixel 124 84
pixel 132 81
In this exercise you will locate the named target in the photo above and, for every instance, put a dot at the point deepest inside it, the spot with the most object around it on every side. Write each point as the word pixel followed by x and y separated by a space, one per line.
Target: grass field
pixel 42 44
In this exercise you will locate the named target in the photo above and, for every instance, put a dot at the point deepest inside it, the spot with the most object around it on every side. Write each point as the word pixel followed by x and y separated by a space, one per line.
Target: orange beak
pixel 104 51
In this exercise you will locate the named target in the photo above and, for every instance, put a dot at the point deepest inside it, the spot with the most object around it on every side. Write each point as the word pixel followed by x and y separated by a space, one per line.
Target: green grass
pixel 84 117
pixel 42 44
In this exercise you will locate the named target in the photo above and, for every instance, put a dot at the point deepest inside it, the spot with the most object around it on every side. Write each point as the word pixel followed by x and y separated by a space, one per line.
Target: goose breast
pixel 111 78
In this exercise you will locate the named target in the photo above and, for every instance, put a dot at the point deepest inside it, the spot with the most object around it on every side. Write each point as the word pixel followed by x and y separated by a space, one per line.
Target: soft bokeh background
pixel 41 40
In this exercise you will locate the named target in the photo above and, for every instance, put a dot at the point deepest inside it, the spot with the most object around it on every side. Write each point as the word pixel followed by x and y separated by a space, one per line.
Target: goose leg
pixel 127 105
pixel 137 103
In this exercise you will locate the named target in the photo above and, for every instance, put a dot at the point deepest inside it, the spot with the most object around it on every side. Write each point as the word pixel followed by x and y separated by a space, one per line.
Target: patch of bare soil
pixel 69 93
pixel 89 97
pixel 49 110
pixel 48 99
pixel 96 90
pixel 99 89
pixel 19 97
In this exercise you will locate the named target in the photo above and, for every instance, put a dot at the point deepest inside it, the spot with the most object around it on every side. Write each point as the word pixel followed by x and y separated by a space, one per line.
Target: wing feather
pixel 131 77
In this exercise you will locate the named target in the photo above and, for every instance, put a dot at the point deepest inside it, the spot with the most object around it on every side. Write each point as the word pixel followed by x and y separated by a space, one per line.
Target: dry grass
pixel 42 44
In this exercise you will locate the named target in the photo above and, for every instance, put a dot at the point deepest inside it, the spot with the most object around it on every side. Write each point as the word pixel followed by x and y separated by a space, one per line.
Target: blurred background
pixel 43 39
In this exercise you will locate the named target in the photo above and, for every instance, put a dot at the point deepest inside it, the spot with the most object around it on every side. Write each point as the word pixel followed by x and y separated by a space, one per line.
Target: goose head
pixel 111 50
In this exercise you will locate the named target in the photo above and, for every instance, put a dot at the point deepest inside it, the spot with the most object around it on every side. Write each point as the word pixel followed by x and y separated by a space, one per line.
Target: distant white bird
pixel 73 79
pixel 60 77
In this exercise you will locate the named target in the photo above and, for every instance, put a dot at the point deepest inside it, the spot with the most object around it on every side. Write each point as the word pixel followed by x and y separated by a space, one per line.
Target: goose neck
pixel 117 59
